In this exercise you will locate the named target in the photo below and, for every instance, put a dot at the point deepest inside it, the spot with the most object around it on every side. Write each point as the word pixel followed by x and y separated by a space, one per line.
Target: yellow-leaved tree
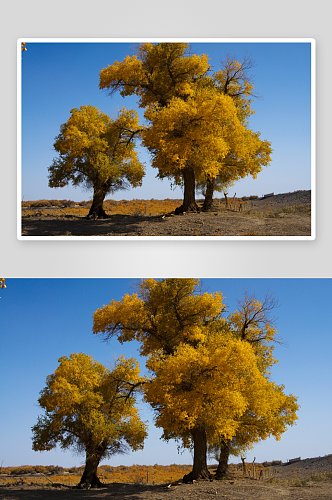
pixel 98 152
pixel 234 80
pixel 271 418
pixel 253 324
pixel 91 409
pixel 191 139
pixel 200 394
pixel 197 123
pixel 208 384
pixel 255 154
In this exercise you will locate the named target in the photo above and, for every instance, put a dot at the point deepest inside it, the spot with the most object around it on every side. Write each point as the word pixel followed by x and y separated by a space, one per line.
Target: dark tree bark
pixel 189 203
pixel 208 201
pixel 223 460
pixel 96 210
pixel 89 478
pixel 200 470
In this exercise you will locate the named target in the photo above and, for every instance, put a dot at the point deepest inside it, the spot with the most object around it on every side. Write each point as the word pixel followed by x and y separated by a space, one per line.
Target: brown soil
pixel 306 479
pixel 232 490
pixel 286 214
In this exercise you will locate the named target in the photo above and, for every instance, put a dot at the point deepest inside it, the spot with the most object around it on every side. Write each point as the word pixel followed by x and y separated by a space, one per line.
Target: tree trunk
pixel 200 470
pixel 223 460
pixel 89 477
pixel 208 201
pixel 96 210
pixel 189 203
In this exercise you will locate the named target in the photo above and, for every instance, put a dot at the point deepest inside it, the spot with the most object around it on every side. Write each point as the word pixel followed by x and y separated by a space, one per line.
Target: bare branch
pixel 257 317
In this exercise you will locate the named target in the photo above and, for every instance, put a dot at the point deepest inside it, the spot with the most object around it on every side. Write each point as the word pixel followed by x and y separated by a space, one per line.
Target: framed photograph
pixel 176 139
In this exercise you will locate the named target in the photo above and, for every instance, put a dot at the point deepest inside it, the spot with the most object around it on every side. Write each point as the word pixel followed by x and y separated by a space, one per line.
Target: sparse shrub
pixel 20 470
pixel 288 210
pixel 301 482
pixel 56 469
pixel 72 470
pixel 273 463
pixel 321 476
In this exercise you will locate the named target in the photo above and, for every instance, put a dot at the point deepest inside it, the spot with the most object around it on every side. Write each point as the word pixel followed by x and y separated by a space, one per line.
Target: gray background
pixel 159 18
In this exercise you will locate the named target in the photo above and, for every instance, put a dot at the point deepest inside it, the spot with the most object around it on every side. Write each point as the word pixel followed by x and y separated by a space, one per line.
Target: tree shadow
pixel 116 225
pixel 118 491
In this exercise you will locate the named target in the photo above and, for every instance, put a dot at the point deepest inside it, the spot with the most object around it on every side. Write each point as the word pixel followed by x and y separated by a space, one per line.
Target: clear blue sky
pixel 57 77
pixel 44 319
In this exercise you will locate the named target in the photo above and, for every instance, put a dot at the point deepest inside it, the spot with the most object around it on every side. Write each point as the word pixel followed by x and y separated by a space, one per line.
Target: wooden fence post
pixel 253 469
pixel 244 466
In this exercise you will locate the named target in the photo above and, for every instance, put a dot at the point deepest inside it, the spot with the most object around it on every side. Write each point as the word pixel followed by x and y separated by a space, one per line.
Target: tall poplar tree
pixel 207 384
pixel 98 152
pixel 196 123
pixel 90 409
pixel 233 79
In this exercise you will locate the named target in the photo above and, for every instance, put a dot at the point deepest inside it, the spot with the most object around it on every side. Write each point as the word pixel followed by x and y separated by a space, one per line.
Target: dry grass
pixel 124 207
pixel 299 209
pixel 247 205
pixel 295 480
pixel 137 474
pixel 81 209
pixel 155 474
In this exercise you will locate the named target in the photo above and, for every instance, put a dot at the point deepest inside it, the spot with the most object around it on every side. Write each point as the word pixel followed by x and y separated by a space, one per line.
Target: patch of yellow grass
pixel 111 207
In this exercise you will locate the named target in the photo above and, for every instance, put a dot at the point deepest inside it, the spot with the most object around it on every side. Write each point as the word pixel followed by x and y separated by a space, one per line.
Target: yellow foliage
pixel 269 416
pixel 2 283
pixel 207 372
pixel 199 131
pixel 211 385
pixel 251 324
pixel 163 314
pixel 195 121
pixel 156 74
pixel 86 404
pixel 97 150
pixel 270 411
